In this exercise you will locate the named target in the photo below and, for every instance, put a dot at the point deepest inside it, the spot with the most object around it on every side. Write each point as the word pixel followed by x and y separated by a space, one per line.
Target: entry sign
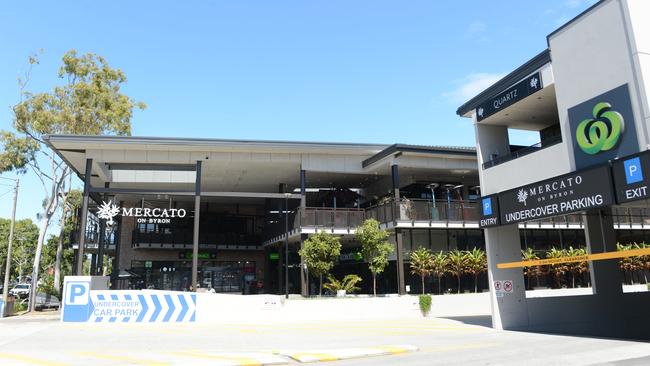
pixel 631 177
pixel 489 211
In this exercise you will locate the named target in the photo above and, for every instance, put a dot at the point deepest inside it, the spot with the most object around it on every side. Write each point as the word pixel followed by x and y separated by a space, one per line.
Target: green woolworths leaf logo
pixel 601 133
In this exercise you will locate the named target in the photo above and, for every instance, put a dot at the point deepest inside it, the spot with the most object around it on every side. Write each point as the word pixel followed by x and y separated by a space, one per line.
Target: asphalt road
pixel 43 340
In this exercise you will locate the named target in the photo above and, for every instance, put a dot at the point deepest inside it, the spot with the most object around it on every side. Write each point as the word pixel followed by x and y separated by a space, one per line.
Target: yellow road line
pixel 243 361
pixel 30 360
pixel 579 258
pixel 393 350
pixel 322 357
pixel 132 360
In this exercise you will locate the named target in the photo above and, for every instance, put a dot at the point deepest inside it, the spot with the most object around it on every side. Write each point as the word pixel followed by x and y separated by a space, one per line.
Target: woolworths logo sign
pixel 602 132
pixel 603 128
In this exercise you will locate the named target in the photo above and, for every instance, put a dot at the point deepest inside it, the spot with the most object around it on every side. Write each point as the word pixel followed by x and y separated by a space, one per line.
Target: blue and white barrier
pixel 82 304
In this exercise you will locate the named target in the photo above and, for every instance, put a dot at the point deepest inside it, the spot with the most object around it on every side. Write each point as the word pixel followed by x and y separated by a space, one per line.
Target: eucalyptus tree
pixel 89 102
pixel 375 248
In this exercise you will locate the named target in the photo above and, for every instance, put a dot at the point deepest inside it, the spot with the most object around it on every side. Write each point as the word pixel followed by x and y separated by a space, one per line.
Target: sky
pixel 338 70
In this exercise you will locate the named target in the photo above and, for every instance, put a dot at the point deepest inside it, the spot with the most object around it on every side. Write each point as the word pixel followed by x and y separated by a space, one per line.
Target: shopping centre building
pixel 220 211
pixel 172 213
pixel 586 98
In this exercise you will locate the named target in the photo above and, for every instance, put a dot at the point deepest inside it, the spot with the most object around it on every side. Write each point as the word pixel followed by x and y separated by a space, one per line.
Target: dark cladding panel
pixel 508 97
pixel 489 211
pixel 631 177
pixel 561 195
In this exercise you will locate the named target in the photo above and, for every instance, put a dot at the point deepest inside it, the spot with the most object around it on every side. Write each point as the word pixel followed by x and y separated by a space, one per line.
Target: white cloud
pixel 477 30
pixel 471 85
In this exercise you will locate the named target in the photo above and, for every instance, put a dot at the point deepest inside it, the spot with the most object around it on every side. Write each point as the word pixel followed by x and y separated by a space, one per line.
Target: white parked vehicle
pixel 21 290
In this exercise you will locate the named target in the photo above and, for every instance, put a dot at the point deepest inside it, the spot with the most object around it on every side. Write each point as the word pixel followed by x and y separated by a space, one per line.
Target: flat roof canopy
pixel 251 166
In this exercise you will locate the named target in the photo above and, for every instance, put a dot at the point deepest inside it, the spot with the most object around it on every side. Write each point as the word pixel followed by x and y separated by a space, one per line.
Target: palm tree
pixel 421 263
pixel 576 268
pixel 457 264
pixel 558 270
pixel 529 255
pixel 476 264
pixel 627 264
pixel 645 262
pixel 439 267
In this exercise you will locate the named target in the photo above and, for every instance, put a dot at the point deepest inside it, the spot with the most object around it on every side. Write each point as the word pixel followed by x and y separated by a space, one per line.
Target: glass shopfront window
pixel 222 276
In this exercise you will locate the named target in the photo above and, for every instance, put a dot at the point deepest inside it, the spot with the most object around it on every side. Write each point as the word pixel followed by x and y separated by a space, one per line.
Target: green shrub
pixel 348 283
pixel 20 305
pixel 425 304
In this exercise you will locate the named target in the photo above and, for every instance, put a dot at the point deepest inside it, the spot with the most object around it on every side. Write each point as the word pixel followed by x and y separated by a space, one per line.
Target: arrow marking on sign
pixel 157 307
pixel 170 303
pixel 184 308
pixel 144 309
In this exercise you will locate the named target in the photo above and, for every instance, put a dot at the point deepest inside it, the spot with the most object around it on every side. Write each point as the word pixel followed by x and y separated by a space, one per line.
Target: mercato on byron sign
pixel 108 210
pixel 561 195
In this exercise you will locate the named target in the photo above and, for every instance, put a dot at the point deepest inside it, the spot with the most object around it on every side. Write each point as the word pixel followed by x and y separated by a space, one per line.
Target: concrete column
pixel 303 189
pixel 84 217
pixel 195 235
pixel 401 289
pixel 601 237
pixel 304 273
pixel 280 244
pixel 503 245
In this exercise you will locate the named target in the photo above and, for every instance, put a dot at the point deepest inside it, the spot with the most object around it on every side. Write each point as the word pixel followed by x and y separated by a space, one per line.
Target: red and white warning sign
pixel 503 287
pixel 507 286
pixel 498 286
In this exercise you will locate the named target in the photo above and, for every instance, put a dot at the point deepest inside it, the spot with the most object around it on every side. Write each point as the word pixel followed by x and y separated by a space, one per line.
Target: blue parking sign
pixel 633 171
pixel 487 206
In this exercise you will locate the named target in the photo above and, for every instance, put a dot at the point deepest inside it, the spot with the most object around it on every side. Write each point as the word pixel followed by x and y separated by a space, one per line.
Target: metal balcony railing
pixel 522 152
pixel 329 217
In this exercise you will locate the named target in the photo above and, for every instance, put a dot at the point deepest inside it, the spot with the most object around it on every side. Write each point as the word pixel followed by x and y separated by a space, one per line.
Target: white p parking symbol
pixel 77 293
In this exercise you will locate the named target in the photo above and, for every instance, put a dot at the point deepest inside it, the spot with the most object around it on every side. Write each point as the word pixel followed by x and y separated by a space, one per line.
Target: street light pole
pixel 286 245
pixel 5 289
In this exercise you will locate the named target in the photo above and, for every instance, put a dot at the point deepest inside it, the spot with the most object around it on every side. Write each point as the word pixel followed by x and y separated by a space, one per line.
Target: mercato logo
pixel 108 210
pixel 602 132
pixel 553 190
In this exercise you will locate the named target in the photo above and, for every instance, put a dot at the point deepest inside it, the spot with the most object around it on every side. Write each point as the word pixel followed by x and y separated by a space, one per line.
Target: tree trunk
pixel 476 283
pixel 37 257
pixel 422 276
pixel 439 285
pixel 320 286
pixel 59 251
pixel 374 284
pixel 458 276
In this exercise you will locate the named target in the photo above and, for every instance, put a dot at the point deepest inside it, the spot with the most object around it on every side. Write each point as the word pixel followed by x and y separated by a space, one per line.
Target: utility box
pixel 8 308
